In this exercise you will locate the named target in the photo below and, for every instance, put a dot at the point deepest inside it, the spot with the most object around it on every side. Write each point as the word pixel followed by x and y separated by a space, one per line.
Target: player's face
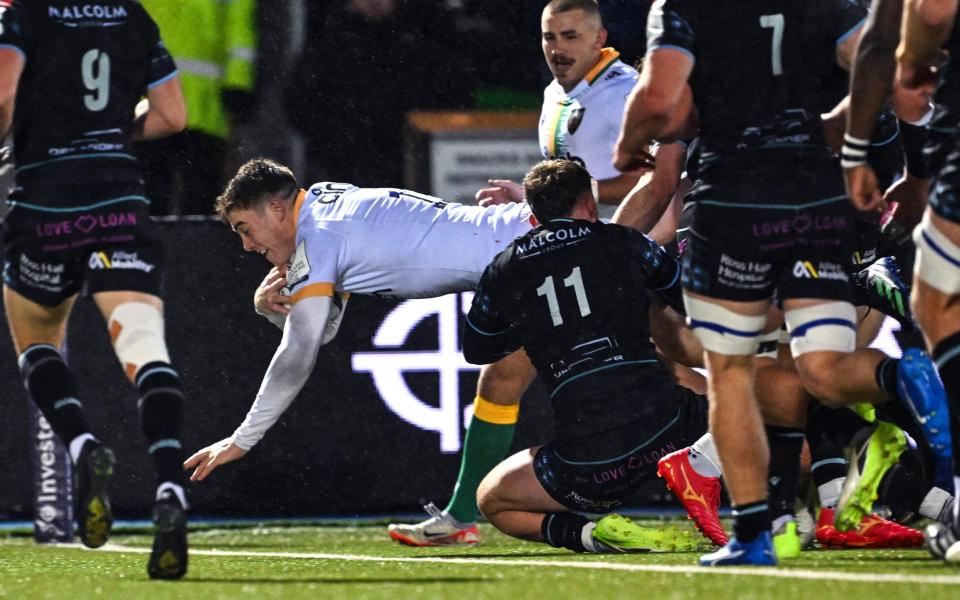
pixel 572 42
pixel 266 230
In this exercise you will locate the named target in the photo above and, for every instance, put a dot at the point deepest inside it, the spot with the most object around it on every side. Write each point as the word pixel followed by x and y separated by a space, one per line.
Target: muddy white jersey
pixel 584 123
pixel 393 242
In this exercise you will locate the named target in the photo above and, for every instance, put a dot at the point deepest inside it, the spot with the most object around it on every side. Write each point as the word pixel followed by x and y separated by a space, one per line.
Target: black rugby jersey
pixel 573 294
pixel 761 66
pixel 87 64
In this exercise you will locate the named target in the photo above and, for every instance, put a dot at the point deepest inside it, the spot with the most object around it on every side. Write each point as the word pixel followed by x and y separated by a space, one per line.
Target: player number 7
pixel 775 22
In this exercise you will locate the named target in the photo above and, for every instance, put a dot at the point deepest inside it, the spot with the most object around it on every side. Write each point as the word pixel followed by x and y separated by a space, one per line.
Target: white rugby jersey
pixel 584 123
pixel 395 243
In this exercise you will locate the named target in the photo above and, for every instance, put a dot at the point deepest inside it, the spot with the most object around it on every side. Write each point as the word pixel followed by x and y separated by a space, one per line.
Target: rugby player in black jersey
pixel 771 215
pixel 929 28
pixel 573 293
pixel 72 75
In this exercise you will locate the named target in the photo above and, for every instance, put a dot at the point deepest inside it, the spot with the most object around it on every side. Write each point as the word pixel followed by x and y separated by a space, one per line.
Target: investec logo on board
pixel 388 363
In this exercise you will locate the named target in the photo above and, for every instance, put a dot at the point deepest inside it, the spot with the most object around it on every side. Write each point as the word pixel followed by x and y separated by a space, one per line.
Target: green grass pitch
pixel 361 562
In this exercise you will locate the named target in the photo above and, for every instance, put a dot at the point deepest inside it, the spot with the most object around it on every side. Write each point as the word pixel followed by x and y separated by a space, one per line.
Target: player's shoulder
pixel 615 81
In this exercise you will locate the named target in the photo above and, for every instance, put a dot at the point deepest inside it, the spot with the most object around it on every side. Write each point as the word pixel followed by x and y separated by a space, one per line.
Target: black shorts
pixel 110 244
pixel 599 486
pixel 741 246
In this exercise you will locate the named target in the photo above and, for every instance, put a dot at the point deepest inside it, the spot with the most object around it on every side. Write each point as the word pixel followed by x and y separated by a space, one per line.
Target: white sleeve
pixel 288 371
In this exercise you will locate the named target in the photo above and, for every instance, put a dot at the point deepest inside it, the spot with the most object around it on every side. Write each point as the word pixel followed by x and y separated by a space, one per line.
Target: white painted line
pixel 778 573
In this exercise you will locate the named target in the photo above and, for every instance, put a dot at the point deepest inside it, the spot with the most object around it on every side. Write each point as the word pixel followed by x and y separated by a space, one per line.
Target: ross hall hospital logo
pixel 390 361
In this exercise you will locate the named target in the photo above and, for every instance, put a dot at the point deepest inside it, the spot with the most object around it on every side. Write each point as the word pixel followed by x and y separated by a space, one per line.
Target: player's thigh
pixel 513 485
pixel 505 381
pixel 33 323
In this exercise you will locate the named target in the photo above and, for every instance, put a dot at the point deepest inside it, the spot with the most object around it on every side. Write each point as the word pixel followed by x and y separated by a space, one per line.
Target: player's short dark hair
pixel 553 187
pixel 590 7
pixel 256 182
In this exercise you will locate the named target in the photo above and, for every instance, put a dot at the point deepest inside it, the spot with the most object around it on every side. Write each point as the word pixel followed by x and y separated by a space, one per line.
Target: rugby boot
pixel 872 532
pixel 786 541
pixel 94 469
pixel 439 530
pixel 883 449
pixel 943 542
pixel 881 287
pixel 920 385
pixel 168 559
pixel 616 533
pixel 758 553
pixel 699 495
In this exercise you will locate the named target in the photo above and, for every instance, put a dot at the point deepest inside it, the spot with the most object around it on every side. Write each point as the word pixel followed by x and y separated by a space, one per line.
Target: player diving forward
pixel 335 239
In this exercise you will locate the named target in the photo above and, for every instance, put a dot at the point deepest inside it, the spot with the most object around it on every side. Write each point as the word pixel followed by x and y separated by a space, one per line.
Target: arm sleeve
pixel 488 335
pixel 161 68
pixel 288 371
pixel 658 271
pixel 670 24
pixel 11 27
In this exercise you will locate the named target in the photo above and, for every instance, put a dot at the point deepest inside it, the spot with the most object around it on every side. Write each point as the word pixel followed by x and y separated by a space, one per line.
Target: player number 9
pixel 95 68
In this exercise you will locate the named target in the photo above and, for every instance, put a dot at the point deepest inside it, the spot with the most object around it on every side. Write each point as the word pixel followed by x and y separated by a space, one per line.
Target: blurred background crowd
pixel 325 85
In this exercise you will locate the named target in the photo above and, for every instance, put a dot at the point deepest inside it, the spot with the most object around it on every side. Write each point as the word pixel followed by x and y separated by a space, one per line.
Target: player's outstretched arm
pixel 285 377
pixel 11 66
pixel 204 461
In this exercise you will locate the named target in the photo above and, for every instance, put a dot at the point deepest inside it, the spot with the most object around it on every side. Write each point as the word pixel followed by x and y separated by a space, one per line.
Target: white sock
pixel 77 445
pixel 780 522
pixel 829 492
pixel 937 505
pixel 177 489
pixel 586 537
pixel 704 458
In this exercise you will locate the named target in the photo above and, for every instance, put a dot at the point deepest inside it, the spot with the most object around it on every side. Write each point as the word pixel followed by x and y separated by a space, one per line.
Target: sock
pixel 704 458
pixel 937 505
pixel 902 490
pixel 828 430
pixel 783 480
pixel 487 442
pixel 50 384
pixel 177 490
pixel 886 377
pixel 566 530
pixel 161 416
pixel 750 520
pixel 76 445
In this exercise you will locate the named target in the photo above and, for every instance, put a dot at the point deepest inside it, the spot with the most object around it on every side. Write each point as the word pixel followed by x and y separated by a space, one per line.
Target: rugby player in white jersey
pixel 313 238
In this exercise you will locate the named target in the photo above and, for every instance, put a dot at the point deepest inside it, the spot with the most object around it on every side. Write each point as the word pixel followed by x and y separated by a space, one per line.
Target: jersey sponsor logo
pixel 299 267
pixel 804 269
pixel 546 238
pixel 48 276
pixel 389 364
pixel 86 11
pixel 119 260
pixel 576 116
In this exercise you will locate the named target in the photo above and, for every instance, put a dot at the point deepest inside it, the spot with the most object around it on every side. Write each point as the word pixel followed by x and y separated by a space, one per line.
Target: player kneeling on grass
pixel 574 294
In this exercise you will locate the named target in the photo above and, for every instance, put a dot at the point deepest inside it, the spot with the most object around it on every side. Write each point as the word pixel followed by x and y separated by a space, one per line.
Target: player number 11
pixel 575 280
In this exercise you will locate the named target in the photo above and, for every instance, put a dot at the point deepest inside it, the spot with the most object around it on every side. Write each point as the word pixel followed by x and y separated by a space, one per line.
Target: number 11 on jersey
pixel 575 280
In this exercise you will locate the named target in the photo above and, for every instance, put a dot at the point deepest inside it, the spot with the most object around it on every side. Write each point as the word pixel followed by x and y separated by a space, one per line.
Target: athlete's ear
pixel 601 37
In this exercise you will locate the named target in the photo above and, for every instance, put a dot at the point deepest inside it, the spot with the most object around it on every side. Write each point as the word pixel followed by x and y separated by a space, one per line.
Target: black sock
pixel 750 520
pixel 50 384
pixel 902 490
pixel 784 475
pixel 947 358
pixel 886 377
pixel 161 416
pixel 829 430
pixel 564 530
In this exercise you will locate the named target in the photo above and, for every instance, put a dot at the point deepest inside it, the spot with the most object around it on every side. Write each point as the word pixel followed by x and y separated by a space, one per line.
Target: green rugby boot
pixel 620 534
pixel 883 449
pixel 786 541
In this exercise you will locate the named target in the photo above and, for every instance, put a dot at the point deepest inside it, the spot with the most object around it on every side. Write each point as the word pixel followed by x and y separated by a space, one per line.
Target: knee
pixel 503 383
pixel 487 501
pixel 136 329
pixel 819 377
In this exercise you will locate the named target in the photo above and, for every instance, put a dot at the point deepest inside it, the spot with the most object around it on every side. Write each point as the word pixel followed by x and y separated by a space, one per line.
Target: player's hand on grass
pixel 211 457
pixel 863 189
pixel 268 300
pixel 501 191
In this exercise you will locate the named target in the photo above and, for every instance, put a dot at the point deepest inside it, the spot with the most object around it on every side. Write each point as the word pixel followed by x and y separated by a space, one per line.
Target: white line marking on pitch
pixel 569 564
